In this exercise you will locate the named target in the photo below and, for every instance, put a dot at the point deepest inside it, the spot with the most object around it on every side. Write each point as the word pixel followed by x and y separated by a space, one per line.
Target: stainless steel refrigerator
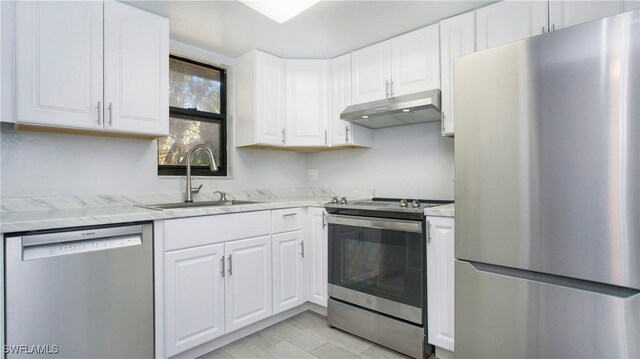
pixel 547 192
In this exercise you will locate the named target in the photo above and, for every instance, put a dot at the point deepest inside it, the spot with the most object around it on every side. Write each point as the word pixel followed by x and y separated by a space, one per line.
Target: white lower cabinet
pixel 248 281
pixel 288 270
pixel 317 257
pixel 239 269
pixel 440 282
pixel 194 297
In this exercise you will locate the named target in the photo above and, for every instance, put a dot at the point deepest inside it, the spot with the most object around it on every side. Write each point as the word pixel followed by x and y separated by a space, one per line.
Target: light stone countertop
pixel 448 210
pixel 30 214
pixel 65 218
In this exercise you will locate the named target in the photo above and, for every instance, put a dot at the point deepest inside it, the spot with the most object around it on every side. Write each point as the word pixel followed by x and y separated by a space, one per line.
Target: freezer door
pixel 547 153
pixel 523 316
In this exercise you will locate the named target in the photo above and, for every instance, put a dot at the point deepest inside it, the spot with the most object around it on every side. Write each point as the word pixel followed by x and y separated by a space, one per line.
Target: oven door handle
pixel 376 223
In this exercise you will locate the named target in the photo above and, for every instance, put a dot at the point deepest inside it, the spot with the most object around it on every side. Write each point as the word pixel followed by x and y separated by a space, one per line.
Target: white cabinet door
pixel 136 70
pixel 317 257
pixel 415 62
pixel 457 38
pixel 440 282
pixel 371 73
pixel 307 102
pixel 248 282
pixel 59 63
pixel 288 271
pixel 194 297
pixel 564 13
pixel 340 99
pixel 509 21
pixel 270 97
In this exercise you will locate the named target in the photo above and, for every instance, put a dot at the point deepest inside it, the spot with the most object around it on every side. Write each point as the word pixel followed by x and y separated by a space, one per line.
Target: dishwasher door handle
pixel 57 249
pixel 80 235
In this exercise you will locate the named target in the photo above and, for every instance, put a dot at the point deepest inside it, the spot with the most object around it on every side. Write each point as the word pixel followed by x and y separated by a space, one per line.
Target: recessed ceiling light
pixel 279 10
pixel 365 116
pixel 406 110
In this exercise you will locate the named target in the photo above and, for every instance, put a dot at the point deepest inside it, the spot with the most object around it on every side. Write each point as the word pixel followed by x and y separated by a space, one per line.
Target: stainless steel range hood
pixel 397 111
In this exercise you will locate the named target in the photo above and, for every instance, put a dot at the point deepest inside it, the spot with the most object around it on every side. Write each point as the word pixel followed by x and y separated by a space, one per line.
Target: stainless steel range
pixel 377 266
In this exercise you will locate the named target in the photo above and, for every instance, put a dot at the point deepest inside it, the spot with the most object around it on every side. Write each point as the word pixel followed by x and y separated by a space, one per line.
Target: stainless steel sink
pixel 195 204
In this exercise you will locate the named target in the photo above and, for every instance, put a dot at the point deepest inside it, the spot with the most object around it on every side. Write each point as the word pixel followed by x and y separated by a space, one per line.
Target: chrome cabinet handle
pixel 428 232
pixel 346 134
pixel 543 29
pixel 110 114
pixel 325 137
pixel 222 262
pixel 553 27
pixel 391 88
pixel 442 124
pixel 386 85
pixel 230 265
pixel 290 214
pixel 99 113
pixel 302 249
pixel 283 136
pixel 324 219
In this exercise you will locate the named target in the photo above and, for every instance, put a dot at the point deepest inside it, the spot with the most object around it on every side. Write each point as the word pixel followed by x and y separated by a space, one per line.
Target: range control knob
pixel 334 200
pixel 403 203
pixel 415 203
pixel 343 200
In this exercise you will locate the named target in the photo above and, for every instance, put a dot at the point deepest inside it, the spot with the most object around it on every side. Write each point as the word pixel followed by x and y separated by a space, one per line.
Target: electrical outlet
pixel 313 174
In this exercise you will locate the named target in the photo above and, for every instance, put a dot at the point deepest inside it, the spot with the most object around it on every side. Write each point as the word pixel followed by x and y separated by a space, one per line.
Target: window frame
pixel 203 116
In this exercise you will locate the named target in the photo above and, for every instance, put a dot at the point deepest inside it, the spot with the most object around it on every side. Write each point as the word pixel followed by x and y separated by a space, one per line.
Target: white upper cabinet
pixel 307 103
pixel 457 38
pixel 371 73
pixel 194 296
pixel 405 64
pixel 61 74
pixel 344 133
pixel 136 70
pixel 568 13
pixel 440 282
pixel 510 21
pixel 415 62
pixel 288 270
pixel 248 282
pixel 261 100
pixel 59 63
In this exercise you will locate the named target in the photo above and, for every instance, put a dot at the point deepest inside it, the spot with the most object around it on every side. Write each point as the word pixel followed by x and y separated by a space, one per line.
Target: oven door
pixel 378 264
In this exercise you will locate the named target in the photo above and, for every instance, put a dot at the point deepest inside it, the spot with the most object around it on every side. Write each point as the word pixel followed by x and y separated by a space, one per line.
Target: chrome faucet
pixel 212 165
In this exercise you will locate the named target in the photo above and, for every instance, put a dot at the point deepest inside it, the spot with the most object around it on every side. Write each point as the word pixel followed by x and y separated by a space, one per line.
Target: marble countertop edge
pixel 24 221
pixel 447 210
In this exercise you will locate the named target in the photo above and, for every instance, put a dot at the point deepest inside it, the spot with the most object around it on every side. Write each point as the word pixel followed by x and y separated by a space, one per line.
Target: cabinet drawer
pixel 285 220
pixel 198 231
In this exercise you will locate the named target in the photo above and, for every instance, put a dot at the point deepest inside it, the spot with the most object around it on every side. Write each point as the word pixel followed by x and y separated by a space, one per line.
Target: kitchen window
pixel 197 114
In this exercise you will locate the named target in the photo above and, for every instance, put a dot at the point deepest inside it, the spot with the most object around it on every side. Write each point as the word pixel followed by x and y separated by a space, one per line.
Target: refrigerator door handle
pixel 581 284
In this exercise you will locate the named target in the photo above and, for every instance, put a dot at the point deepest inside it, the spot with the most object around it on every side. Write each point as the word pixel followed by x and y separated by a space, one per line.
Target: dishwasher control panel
pixel 74 247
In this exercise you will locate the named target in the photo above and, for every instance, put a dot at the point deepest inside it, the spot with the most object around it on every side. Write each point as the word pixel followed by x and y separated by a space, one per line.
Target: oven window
pixel 383 263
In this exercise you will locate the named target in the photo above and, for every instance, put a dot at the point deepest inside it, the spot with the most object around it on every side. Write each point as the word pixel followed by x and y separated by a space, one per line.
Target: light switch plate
pixel 313 174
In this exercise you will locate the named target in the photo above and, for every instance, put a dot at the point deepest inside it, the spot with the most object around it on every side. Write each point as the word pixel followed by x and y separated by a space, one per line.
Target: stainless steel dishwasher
pixel 83 293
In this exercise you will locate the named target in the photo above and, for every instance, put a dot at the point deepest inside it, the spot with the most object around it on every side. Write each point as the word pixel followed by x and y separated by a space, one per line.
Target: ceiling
pixel 328 29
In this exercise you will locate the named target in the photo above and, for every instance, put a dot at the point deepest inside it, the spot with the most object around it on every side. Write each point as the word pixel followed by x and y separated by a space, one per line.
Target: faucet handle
pixel 196 189
pixel 223 195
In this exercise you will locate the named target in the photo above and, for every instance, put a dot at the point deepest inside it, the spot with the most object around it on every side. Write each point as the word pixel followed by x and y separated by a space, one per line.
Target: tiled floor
pixel 307 335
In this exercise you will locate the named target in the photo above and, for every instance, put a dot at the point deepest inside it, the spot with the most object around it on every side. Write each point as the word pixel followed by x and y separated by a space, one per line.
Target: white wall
pixel 46 164
pixel 409 161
